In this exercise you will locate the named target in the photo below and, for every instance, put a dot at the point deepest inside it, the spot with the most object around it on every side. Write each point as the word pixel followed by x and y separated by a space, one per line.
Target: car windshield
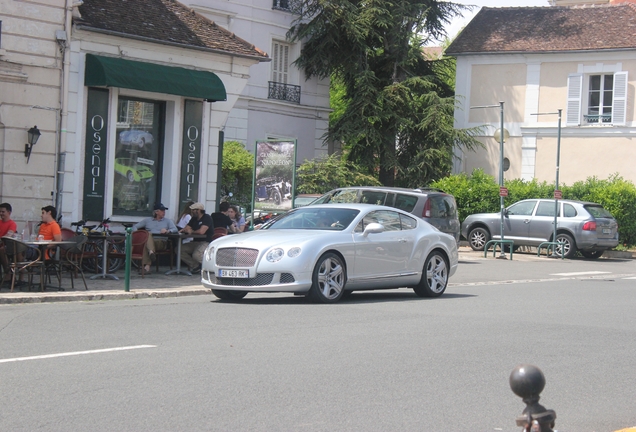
pixel 597 211
pixel 336 219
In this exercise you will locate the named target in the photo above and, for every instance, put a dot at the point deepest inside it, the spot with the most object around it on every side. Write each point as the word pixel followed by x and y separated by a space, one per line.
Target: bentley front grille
pixel 236 257
pixel 260 280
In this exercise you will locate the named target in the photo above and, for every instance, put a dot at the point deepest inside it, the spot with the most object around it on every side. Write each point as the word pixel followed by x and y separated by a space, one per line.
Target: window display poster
pixel 95 154
pixel 138 150
pixel 275 169
pixel 191 152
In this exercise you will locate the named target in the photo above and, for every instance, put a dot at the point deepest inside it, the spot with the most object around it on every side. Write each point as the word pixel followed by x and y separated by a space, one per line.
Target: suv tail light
pixel 589 226
pixel 426 212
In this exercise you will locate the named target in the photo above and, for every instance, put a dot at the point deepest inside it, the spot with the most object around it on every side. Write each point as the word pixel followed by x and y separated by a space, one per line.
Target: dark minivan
pixel 433 205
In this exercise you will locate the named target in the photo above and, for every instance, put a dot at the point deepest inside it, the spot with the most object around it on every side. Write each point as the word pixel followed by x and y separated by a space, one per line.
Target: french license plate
pixel 607 231
pixel 234 273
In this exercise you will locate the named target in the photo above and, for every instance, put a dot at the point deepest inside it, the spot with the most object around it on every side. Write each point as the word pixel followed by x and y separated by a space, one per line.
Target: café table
pixel 43 245
pixel 105 238
pixel 179 239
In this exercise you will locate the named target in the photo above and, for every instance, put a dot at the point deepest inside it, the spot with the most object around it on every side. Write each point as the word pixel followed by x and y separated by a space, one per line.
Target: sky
pixel 458 23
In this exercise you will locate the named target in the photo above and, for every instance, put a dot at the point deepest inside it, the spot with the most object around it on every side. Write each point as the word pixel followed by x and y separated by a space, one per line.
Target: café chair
pixel 219 232
pixel 16 251
pixel 169 251
pixel 139 240
pixel 71 258
pixel 91 254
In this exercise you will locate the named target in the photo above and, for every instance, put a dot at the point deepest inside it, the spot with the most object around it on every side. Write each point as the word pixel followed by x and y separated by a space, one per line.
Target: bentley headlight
pixel 293 252
pixel 275 255
pixel 209 252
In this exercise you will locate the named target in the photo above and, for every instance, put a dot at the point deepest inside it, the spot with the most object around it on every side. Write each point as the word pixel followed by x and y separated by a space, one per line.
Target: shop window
pixel 138 156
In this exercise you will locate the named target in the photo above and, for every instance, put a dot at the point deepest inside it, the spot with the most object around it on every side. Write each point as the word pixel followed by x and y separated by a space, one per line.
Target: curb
pixel 39 297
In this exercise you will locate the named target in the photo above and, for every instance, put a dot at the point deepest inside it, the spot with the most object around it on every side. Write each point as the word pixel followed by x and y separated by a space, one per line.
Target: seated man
pixel 157 224
pixel 201 223
pixel 49 229
pixel 221 219
pixel 7 228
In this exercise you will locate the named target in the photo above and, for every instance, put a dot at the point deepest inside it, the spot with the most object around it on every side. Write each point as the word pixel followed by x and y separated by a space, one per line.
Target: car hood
pixel 261 239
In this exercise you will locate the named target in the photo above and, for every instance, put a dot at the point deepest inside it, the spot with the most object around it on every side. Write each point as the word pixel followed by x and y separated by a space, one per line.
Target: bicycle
pixel 94 250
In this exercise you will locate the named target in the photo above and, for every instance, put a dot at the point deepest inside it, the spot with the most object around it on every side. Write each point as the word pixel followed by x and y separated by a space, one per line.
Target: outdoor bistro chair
pixel 16 251
pixel 71 258
pixel 167 251
pixel 139 240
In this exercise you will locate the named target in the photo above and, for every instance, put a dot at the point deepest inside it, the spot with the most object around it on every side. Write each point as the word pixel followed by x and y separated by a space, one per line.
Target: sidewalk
pixel 154 285
pixel 158 285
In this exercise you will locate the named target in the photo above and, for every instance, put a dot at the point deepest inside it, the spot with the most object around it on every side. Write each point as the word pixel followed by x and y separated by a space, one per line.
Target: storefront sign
pixel 191 153
pixel 275 168
pixel 95 154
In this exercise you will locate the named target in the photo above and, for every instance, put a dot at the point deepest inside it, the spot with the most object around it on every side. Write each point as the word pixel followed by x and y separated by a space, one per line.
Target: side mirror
pixel 505 212
pixel 373 228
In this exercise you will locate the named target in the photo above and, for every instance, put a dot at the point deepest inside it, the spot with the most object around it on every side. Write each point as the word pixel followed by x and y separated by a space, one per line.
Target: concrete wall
pixel 30 81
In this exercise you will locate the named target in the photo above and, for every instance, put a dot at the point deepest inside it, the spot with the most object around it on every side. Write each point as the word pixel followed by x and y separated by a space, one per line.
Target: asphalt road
pixel 380 361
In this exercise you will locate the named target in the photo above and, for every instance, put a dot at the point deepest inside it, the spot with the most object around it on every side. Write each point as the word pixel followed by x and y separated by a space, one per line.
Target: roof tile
pixel 164 21
pixel 547 29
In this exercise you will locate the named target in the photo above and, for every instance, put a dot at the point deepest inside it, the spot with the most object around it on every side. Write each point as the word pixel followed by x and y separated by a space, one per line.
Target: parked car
pixel 324 251
pixel 583 226
pixel 132 171
pixel 305 199
pixel 135 137
pixel 433 205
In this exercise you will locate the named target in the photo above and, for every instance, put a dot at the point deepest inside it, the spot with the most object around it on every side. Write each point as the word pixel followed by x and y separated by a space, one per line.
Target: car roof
pixel 422 190
pixel 563 201
pixel 354 206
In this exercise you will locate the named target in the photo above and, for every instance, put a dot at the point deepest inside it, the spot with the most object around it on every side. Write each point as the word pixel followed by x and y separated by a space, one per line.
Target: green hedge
pixel 479 193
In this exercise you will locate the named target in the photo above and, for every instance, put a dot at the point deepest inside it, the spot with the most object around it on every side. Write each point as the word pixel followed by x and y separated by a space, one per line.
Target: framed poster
pixel 274 174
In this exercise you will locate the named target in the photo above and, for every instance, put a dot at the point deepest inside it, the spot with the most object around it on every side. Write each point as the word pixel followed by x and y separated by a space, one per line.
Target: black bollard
pixel 527 382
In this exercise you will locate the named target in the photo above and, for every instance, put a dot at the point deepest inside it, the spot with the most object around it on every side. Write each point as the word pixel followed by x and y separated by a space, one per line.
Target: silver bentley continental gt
pixel 325 251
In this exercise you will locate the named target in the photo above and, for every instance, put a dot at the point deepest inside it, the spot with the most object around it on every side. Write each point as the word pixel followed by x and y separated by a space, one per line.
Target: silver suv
pixel 433 205
pixel 582 226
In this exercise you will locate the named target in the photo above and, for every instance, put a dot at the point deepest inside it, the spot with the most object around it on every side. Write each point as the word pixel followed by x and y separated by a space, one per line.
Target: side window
pixel 545 208
pixel 390 220
pixel 390 199
pixel 408 223
pixel 522 208
pixel 569 210
pixel 344 196
pixel 405 202
pixel 373 197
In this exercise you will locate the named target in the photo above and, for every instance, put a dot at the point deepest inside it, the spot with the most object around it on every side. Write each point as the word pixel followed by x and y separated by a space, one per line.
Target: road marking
pixel 579 273
pixel 633 277
pixel 76 353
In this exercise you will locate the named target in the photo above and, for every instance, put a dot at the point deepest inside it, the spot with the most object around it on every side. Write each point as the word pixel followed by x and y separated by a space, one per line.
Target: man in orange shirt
pixel 7 228
pixel 49 227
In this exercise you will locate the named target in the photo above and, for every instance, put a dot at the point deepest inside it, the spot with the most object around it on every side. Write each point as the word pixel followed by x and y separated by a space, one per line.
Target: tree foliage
pixel 396 107
pixel 324 174
pixel 237 172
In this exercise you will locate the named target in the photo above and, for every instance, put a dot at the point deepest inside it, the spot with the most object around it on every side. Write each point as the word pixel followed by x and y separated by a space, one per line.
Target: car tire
pixel 592 254
pixel 130 176
pixel 478 237
pixel 434 276
pixel 567 243
pixel 229 295
pixel 328 279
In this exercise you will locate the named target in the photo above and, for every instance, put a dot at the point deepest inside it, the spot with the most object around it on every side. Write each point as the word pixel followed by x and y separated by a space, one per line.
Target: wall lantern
pixel 33 136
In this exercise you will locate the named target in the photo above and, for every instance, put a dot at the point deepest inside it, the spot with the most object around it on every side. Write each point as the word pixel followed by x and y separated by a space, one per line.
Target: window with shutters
pixel 279 87
pixel 597 99
pixel 280 62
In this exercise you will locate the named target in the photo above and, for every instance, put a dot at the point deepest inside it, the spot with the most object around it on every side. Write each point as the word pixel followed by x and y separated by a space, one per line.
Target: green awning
pixel 116 72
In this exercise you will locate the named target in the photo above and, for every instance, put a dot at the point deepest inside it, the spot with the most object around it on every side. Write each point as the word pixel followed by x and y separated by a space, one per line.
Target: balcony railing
pixel 596 118
pixel 286 92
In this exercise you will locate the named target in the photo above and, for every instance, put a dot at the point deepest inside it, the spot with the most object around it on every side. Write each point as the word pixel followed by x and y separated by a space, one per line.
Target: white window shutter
pixel 573 110
pixel 619 103
pixel 280 62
